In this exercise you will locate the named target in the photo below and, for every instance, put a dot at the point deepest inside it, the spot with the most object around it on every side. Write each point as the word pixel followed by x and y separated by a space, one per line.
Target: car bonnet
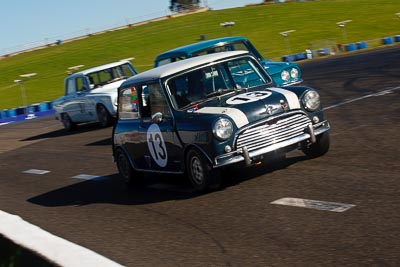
pixel 246 107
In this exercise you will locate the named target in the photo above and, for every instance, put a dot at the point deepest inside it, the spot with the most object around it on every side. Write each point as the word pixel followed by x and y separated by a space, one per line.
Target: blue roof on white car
pixel 176 67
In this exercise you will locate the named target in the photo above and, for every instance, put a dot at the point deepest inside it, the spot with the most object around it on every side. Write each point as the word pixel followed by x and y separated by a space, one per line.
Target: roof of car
pixel 101 67
pixel 176 67
pixel 191 48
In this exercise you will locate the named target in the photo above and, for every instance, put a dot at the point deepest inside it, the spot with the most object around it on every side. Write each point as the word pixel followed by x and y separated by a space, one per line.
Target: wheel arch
pixel 119 147
pixel 200 150
pixel 98 104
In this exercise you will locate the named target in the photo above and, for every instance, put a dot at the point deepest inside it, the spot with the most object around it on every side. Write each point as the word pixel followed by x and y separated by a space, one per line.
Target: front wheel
pixel 319 148
pixel 69 125
pixel 200 172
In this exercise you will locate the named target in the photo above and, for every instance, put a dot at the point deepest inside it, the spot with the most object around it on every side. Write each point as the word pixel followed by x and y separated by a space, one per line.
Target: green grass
pixel 314 22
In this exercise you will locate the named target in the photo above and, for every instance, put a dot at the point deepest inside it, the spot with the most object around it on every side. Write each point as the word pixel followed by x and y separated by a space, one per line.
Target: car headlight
pixel 285 75
pixel 294 73
pixel 222 129
pixel 311 100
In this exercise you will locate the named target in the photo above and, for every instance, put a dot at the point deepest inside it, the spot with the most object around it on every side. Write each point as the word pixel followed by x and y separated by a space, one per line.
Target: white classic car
pixel 91 95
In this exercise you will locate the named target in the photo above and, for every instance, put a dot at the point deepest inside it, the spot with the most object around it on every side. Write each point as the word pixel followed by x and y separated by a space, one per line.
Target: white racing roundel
pixel 156 145
pixel 248 97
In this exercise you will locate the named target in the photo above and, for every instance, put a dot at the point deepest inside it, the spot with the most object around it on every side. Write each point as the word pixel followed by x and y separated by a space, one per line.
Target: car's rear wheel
pixel 103 116
pixel 126 172
pixel 200 172
pixel 69 125
pixel 319 148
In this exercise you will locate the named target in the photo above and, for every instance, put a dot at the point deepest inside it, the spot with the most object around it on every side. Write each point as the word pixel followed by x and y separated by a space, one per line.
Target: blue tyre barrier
pixel 21 110
pixel 33 108
pixel 301 56
pixel 361 45
pixel 43 106
pixel 387 40
pixel 397 38
pixel 49 104
pixel 289 58
pixel 12 112
pixel 350 47
pixel 3 114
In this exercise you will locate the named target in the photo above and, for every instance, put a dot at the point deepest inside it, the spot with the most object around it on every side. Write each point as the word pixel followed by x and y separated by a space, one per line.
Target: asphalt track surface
pixel 166 224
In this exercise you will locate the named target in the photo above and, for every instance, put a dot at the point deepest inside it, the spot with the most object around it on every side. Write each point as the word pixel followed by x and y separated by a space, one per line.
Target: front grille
pixel 273 132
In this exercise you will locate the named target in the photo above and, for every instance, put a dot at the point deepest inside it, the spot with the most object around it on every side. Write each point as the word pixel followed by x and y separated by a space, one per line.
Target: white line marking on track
pixel 380 93
pixel 36 171
pixel 313 204
pixel 59 251
pixel 89 177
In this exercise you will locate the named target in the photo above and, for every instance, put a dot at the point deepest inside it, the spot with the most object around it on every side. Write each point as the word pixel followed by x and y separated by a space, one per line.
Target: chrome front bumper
pixel 248 157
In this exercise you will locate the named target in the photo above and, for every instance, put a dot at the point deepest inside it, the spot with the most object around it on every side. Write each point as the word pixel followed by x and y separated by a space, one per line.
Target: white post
pixel 285 35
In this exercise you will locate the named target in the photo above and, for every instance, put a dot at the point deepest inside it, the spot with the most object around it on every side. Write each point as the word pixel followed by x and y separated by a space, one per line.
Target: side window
pixel 80 85
pixel 153 101
pixel 158 102
pixel 128 104
pixel 94 80
pixel 105 76
pixel 246 74
pixel 70 87
pixel 240 46
pixel 166 61
pixel 179 89
pixel 126 71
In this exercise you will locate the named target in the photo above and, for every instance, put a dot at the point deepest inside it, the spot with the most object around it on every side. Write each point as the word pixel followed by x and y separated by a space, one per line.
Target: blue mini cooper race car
pixel 283 73
pixel 201 115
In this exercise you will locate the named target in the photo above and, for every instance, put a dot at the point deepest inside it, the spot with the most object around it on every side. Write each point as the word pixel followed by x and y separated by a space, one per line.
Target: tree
pixel 183 5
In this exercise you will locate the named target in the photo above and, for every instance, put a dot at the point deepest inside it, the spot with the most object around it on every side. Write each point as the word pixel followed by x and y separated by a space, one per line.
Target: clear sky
pixel 30 23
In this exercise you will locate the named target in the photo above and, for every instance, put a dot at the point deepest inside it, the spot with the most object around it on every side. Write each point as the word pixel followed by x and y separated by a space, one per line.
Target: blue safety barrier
pixel 387 40
pixel 397 38
pixel 351 47
pixel 20 111
pixel 288 58
pixel 43 106
pixel 3 113
pixel 33 108
pixel 300 56
pixel 361 45
pixel 39 109
pixel 12 112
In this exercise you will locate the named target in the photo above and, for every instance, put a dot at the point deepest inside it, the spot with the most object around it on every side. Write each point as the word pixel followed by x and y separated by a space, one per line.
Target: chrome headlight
pixel 285 75
pixel 222 129
pixel 311 100
pixel 294 73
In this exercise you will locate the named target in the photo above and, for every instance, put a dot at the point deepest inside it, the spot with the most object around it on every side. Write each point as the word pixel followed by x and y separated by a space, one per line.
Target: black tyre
pixel 127 173
pixel 200 172
pixel 69 125
pixel 103 116
pixel 319 148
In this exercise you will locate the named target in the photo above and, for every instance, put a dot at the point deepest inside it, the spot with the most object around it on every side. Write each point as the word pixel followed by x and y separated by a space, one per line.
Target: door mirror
pixel 157 117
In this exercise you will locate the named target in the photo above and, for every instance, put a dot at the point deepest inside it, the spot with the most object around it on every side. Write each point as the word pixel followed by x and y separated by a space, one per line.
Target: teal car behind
pixel 282 73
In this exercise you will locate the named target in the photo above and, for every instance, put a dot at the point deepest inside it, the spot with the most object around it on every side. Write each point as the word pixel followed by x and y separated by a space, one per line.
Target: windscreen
pixel 210 81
